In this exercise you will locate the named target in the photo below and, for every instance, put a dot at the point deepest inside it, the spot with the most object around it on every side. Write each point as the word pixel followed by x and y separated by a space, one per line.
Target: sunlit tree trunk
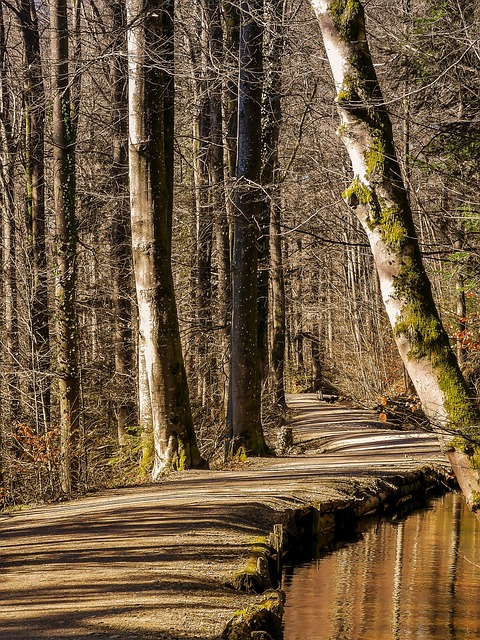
pixel 151 89
pixel 63 137
pixel 378 197
pixel 245 373
pixel 145 411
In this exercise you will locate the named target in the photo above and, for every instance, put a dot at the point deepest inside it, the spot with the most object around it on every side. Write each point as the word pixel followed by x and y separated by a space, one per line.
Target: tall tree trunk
pixel 378 197
pixel 151 104
pixel 270 242
pixel 461 299
pixel 34 104
pixel 245 380
pixel 213 241
pixel 231 11
pixel 278 306
pixel 219 205
pixel 7 206
pixel 204 211
pixel 63 136
pixel 10 378
pixel 145 411
pixel 121 236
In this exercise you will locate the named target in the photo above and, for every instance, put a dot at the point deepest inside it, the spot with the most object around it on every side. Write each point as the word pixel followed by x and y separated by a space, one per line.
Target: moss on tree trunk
pixel 379 198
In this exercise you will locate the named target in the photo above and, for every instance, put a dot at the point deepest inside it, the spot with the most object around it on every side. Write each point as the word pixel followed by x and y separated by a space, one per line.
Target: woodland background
pixel 427 57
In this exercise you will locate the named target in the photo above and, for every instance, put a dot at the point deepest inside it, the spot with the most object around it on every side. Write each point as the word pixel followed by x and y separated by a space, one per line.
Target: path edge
pixel 311 521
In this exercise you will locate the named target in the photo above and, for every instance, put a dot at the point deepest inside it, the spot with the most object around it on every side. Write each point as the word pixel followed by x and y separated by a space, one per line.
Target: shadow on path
pixel 151 562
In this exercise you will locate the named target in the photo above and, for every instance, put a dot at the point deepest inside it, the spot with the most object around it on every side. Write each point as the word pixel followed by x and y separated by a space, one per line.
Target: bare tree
pixel 151 109
pixel 63 138
pixel 271 203
pixel 7 205
pixel 121 235
pixel 35 107
pixel 245 364
pixel 378 197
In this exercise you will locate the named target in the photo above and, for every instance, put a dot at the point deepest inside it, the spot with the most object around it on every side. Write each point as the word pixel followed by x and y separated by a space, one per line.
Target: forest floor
pixel 153 562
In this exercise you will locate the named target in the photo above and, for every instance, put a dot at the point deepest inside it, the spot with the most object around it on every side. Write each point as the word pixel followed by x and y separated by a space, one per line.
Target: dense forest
pixel 182 242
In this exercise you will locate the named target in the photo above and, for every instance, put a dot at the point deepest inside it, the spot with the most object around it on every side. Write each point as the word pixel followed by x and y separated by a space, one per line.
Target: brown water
pixel 417 578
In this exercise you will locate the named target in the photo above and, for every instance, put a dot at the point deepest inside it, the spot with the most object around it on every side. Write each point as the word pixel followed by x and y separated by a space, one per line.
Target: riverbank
pixel 155 562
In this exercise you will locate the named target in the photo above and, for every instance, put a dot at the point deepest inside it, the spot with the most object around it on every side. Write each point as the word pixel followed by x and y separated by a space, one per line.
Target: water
pixel 413 579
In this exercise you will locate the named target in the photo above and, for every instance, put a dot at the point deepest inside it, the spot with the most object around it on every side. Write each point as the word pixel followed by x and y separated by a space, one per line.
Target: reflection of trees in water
pixel 453 566
pixel 415 564
pixel 397 579
pixel 367 566
pixel 345 595
pixel 418 578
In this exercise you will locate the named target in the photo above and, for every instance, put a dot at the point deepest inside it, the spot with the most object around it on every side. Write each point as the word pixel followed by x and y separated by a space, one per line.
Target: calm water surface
pixel 417 578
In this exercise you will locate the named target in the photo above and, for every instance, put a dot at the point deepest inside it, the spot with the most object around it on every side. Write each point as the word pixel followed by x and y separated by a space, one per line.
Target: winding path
pixel 151 562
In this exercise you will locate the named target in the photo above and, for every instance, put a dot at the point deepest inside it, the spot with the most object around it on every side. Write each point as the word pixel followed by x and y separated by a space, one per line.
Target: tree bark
pixel 270 243
pixel 245 374
pixel 461 299
pixel 278 307
pixel 221 227
pixel 204 209
pixel 63 136
pixel 378 197
pixel 151 87
pixel 121 235
pixel 34 105
pixel 231 39
pixel 231 11
pixel 8 262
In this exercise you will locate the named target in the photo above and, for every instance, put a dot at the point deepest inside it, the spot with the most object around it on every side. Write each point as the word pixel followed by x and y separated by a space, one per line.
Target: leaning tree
pixel 379 199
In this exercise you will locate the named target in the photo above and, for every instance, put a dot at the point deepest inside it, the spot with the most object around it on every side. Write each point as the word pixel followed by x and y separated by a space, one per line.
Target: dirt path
pixel 152 562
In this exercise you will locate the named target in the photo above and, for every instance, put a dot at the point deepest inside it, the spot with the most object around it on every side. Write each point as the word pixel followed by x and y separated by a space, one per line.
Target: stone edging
pixel 300 526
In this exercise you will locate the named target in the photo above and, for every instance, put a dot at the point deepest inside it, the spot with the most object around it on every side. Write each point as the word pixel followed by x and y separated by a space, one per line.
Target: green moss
pixel 241 454
pixel 421 324
pixel 468 444
pixel 376 153
pixel 255 444
pixel 255 575
pixel 475 506
pixel 394 232
pixel 389 213
pixel 261 620
pixel 348 93
pixel 460 407
pixel 357 193
pixel 148 455
pixel 348 18
pixel 182 457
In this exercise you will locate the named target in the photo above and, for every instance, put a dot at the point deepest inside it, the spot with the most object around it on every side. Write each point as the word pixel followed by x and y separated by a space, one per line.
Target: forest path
pixel 151 562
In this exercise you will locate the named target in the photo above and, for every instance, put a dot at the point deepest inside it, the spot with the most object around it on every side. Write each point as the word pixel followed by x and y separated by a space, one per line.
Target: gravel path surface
pixel 152 562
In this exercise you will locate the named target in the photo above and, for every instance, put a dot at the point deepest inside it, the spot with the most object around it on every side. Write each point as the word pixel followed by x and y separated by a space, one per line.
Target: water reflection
pixel 416 579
